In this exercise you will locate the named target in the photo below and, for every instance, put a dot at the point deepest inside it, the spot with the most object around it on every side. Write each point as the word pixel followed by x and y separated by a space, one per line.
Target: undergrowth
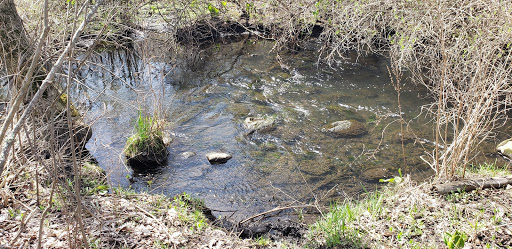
pixel 406 215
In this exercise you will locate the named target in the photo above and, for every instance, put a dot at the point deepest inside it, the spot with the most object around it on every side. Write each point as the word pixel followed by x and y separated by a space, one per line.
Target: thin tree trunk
pixel 15 47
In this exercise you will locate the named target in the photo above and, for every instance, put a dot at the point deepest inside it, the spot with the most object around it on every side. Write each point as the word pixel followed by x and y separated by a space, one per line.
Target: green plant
pixel 13 213
pixel 455 240
pixel 148 137
pixel 262 241
pixel 395 179
pixel 214 11
pixel 489 169
pixel 190 211
pixel 335 226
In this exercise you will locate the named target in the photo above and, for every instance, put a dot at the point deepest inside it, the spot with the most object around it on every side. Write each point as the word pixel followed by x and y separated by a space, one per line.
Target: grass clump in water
pixel 148 144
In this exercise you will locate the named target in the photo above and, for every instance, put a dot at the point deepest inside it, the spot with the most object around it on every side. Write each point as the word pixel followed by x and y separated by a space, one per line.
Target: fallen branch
pixel 472 184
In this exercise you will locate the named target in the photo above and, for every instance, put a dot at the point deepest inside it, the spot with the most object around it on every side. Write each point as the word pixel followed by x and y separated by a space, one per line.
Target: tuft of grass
pixel 338 226
pixel 489 169
pixel 148 137
pixel 262 241
pixel 190 211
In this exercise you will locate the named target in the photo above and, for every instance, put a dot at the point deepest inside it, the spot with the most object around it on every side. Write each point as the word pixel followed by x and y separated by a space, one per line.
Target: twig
pixel 23 223
pixel 502 225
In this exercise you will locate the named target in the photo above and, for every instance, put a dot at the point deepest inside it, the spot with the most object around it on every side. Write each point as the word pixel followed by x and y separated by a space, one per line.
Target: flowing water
pixel 206 101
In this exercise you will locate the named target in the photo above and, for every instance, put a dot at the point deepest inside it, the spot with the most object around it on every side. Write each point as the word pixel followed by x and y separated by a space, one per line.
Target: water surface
pixel 206 101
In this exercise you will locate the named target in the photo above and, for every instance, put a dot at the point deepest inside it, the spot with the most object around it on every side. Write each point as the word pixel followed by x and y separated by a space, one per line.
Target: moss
pixel 63 99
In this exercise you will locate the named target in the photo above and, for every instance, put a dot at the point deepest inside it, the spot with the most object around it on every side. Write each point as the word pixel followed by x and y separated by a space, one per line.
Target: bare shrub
pixel 459 50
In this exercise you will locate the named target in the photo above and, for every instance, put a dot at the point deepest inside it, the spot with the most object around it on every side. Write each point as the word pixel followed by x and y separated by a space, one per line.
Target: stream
pixel 206 100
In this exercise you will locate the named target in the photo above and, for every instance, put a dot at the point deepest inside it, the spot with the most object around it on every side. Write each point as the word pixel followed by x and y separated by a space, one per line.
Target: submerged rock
pixel 187 154
pixel 345 128
pixel 375 174
pixel 218 157
pixel 345 113
pixel 252 124
pixel 505 148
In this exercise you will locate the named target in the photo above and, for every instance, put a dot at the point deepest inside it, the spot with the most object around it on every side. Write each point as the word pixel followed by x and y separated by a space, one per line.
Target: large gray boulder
pixel 345 128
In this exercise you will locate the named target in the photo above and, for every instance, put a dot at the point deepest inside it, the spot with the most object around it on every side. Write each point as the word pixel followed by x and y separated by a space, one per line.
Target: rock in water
pixel 346 128
pixel 505 148
pixel 218 157
pixel 375 174
pixel 186 155
pixel 252 124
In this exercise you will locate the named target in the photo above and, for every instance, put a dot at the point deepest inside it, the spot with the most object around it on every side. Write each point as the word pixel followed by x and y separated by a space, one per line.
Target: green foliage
pixel 339 226
pixel 213 10
pixel 489 169
pixel 455 240
pixel 396 179
pixel 262 241
pixel 190 211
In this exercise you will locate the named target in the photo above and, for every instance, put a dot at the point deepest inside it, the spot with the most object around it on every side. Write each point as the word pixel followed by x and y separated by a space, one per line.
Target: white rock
pixel 505 148
pixel 218 157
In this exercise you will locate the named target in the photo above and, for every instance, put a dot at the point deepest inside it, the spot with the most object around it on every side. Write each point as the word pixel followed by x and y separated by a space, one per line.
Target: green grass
pixel 148 137
pixel 337 226
pixel 190 211
pixel 489 169
pixel 262 241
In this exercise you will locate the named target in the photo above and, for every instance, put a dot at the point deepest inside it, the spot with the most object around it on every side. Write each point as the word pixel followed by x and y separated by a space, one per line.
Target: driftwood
pixel 472 184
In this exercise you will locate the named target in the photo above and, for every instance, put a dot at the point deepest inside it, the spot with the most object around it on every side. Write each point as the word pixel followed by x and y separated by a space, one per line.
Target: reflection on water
pixel 296 161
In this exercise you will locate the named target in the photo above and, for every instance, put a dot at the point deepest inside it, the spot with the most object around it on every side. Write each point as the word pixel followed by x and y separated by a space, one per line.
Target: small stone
pixel 172 213
pixel 167 139
pixel 375 174
pixel 187 154
pixel 218 157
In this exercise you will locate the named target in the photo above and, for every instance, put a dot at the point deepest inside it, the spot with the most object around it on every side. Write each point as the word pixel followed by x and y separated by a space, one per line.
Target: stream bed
pixel 206 100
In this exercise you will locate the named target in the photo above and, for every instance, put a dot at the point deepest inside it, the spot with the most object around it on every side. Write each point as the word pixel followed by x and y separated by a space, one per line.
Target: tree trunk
pixel 16 51
pixel 15 46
